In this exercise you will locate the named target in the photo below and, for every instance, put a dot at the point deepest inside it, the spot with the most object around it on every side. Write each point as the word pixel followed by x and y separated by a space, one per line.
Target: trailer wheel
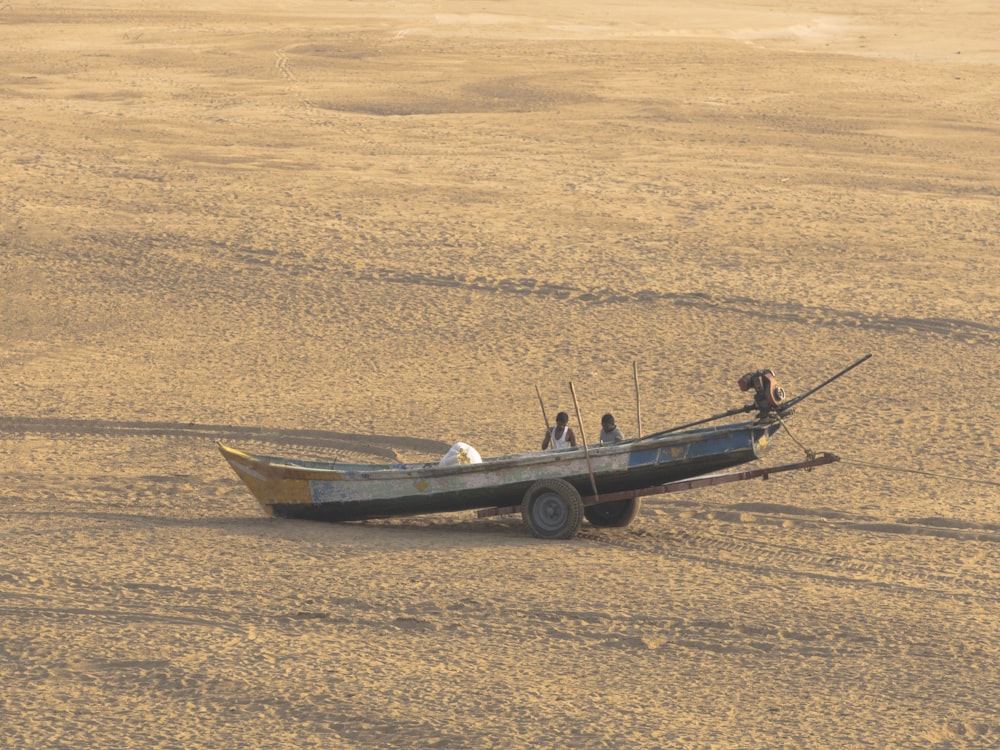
pixel 552 509
pixel 617 513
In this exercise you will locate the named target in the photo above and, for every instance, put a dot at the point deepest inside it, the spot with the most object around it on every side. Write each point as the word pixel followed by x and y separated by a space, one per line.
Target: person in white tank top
pixel 560 436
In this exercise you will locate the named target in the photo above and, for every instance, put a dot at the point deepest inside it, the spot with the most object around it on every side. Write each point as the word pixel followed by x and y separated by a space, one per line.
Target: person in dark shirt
pixel 610 432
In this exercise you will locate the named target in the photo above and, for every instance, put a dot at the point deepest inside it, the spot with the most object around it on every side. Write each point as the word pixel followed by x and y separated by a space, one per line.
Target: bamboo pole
pixel 545 416
pixel 638 412
pixel 583 439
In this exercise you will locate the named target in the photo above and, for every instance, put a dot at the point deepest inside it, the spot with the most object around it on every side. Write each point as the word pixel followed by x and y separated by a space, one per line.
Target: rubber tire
pixel 552 509
pixel 616 514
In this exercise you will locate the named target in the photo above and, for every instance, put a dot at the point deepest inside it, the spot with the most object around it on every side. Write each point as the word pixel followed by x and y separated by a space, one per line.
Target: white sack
pixel 461 453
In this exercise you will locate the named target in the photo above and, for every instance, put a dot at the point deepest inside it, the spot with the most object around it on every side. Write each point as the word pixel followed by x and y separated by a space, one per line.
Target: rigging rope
pixel 988 482
pixel 810 454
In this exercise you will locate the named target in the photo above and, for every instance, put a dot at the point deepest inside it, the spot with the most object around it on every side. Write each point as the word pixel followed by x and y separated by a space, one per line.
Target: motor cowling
pixel 768 395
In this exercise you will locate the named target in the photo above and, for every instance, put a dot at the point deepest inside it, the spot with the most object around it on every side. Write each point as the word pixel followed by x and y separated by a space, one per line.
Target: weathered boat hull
pixel 336 492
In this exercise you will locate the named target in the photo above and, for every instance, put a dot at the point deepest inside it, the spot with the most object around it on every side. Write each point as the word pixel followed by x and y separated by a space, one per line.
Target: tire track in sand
pixel 717 548
pixel 967 331
pixel 958 329
pixel 316 114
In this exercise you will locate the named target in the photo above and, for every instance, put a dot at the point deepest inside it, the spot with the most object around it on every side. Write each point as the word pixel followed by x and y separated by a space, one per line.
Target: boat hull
pixel 336 492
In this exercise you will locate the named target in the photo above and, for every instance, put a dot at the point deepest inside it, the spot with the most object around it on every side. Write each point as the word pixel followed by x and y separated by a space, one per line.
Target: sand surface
pixel 370 229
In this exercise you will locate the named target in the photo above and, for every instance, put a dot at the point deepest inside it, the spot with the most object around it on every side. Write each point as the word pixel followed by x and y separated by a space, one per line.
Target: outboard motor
pixel 768 395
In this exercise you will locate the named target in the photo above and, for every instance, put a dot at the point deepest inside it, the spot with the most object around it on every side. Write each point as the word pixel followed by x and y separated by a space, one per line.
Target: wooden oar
pixel 548 430
pixel 638 413
pixel 583 439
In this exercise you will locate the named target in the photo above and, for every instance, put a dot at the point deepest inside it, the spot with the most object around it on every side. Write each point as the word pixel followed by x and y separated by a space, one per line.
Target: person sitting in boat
pixel 560 436
pixel 610 432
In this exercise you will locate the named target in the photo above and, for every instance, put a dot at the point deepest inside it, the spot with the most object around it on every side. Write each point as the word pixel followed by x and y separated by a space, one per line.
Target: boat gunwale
pixel 283 467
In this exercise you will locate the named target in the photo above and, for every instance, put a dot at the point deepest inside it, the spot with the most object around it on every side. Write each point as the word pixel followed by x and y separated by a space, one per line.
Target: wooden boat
pixel 555 489
pixel 323 491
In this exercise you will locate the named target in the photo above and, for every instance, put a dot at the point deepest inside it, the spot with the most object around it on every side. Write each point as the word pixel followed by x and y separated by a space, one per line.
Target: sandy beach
pixel 368 230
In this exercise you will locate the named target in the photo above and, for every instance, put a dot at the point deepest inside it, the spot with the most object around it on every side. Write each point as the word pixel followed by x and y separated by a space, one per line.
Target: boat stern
pixel 763 431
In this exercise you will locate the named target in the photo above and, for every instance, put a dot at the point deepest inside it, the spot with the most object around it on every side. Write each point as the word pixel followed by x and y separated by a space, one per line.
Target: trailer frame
pixel 706 480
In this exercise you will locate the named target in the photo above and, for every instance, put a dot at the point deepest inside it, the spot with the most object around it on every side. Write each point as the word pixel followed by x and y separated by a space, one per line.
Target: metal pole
pixel 825 383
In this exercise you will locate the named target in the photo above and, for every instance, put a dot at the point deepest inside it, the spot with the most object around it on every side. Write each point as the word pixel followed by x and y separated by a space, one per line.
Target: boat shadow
pixel 464 530
pixel 383 446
